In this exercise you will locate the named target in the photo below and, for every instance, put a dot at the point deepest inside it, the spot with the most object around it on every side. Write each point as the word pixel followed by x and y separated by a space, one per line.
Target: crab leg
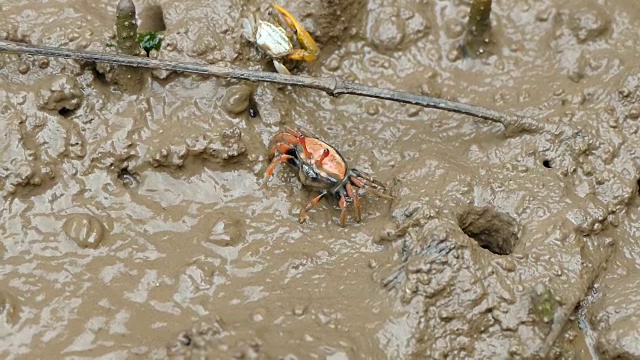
pixel 356 201
pixel 280 68
pixel 343 213
pixel 282 142
pixel 302 54
pixel 283 158
pixel 281 148
pixel 365 184
pixel 310 205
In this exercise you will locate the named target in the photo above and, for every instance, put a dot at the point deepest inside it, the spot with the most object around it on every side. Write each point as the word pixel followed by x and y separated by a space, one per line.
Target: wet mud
pixel 134 224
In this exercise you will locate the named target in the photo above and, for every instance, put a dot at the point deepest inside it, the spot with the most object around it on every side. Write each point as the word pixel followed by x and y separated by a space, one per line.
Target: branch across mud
pixel 331 85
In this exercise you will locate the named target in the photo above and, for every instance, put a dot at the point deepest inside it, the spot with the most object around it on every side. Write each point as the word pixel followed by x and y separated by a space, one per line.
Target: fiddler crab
pixel 275 41
pixel 322 167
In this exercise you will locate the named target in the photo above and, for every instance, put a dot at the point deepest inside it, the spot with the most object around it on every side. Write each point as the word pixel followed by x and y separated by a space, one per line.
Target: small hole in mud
pixel 64 112
pixel 151 19
pixel 494 231
pixel 638 182
pixel 547 164
pixel 128 179
pixel 100 76
pixel 253 108
pixel 184 339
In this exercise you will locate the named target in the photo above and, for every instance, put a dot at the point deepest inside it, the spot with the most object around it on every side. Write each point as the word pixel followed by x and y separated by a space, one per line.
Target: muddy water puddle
pixel 134 224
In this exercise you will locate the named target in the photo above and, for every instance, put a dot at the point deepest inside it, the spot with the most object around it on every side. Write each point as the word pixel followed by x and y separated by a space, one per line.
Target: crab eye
pixel 310 174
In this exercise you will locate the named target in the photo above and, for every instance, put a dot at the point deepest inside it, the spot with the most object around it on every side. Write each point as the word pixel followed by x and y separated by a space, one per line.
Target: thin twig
pixel 332 86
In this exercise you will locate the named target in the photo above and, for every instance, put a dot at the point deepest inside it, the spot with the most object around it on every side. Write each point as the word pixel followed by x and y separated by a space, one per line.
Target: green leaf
pixel 150 41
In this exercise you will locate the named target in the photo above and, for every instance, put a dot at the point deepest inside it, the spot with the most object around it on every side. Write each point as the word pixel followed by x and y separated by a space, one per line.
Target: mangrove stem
pixel 128 78
pixel 478 34
pixel 127 28
pixel 331 85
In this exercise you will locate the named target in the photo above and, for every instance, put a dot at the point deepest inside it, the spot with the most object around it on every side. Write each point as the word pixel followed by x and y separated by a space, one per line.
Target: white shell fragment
pixel 273 39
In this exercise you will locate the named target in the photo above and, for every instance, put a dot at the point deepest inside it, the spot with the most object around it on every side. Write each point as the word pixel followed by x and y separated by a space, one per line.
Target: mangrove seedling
pixel 127 28
pixel 478 36
pixel 128 78
pixel 543 303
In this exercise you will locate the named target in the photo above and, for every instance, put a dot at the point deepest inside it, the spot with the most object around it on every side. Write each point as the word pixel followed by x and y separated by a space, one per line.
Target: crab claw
pixel 280 68
pixel 310 50
pixel 248 27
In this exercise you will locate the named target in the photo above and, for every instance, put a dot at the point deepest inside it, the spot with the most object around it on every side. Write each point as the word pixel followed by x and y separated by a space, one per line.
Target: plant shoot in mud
pixel 128 78
pixel 126 28
pixel 150 41
pixel 478 35
pixel 543 303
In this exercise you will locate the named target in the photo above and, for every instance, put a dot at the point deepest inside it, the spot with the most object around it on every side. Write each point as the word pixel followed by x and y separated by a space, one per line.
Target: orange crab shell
pixel 332 162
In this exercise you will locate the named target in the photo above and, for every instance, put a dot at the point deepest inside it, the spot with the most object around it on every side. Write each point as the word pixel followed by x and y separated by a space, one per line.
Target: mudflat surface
pixel 133 223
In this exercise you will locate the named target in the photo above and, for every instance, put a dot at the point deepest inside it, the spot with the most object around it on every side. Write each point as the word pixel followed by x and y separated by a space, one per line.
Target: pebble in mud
pixel 237 99
pixel 446 315
pixel 43 63
pixel 24 68
pixel 372 108
pixel 84 229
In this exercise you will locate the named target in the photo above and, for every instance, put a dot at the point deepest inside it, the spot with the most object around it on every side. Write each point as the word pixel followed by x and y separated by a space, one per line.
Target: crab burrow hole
pixel 151 19
pixel 492 230
pixel 65 112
